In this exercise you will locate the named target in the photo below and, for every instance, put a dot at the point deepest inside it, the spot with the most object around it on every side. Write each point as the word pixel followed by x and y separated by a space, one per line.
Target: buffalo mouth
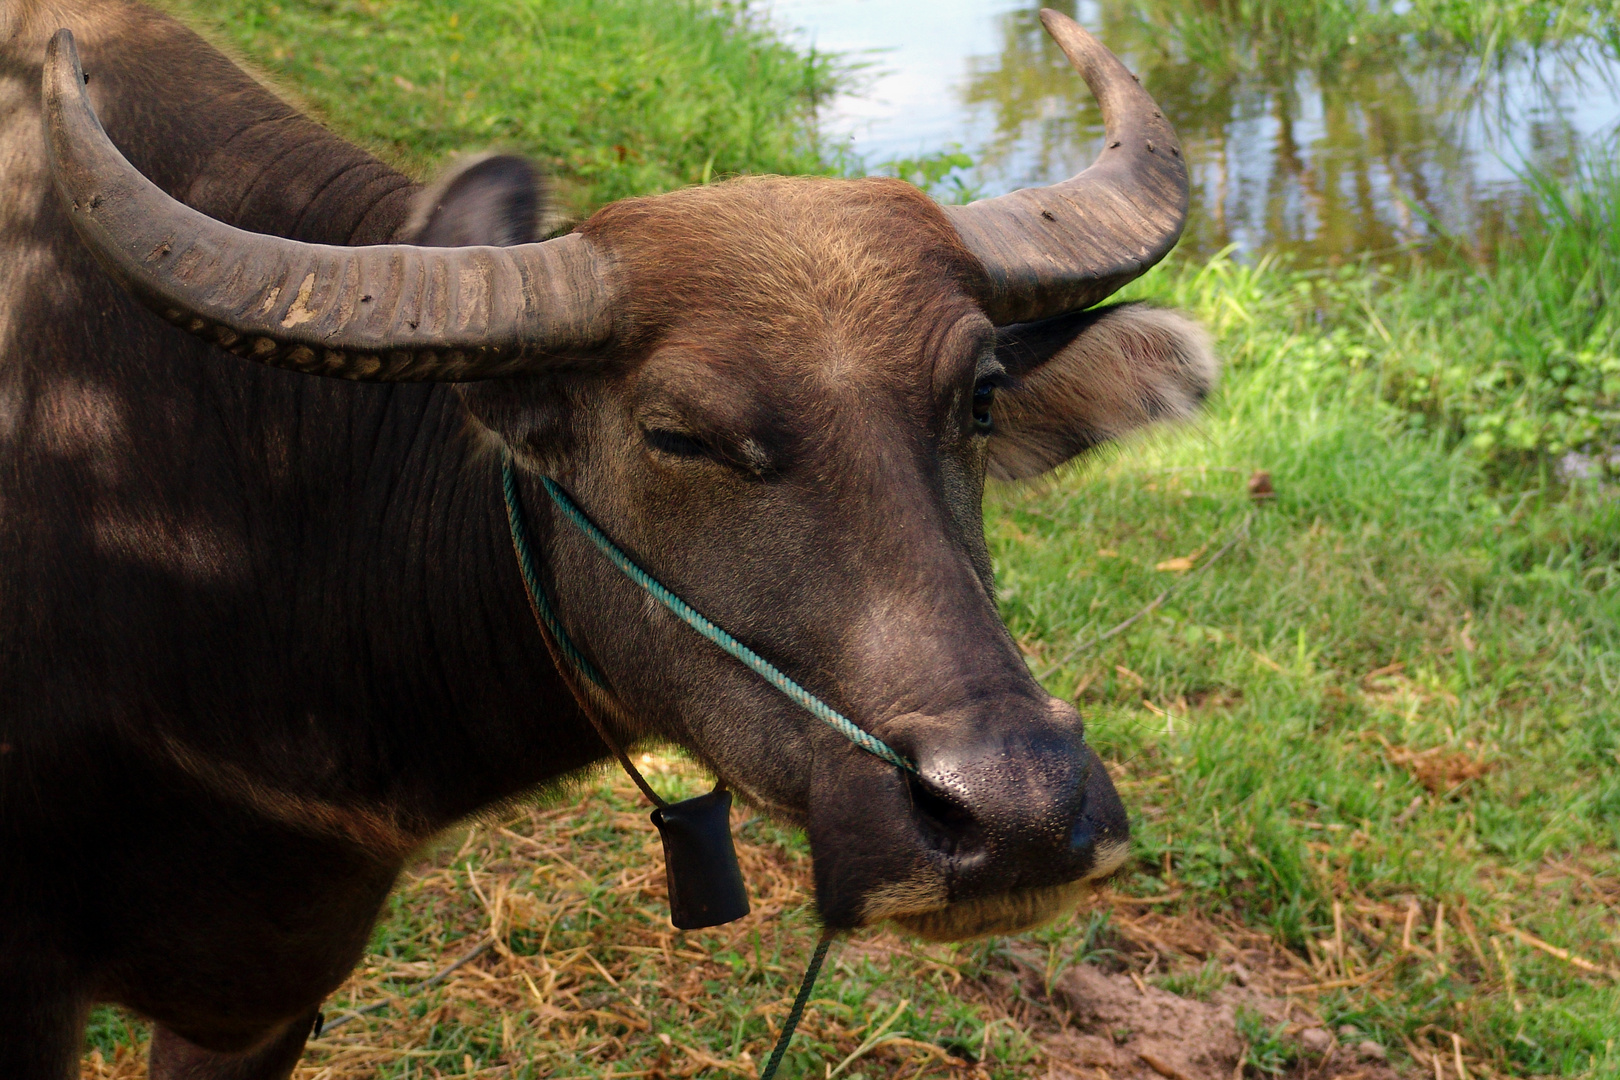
pixel 1009 912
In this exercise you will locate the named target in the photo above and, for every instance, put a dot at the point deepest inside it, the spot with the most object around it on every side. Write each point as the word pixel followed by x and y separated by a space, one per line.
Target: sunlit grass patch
pixel 1513 353
pixel 614 97
pixel 1521 356
pixel 1384 725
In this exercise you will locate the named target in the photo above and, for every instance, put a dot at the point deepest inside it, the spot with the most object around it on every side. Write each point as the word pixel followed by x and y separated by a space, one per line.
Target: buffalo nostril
pixel 947 825
pixel 1082 838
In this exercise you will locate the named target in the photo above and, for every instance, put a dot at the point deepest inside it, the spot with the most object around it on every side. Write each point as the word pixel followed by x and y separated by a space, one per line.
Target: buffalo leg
pixel 42 1015
pixel 175 1058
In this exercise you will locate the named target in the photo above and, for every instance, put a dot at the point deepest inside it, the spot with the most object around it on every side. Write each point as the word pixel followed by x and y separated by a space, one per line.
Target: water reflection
pixel 1366 156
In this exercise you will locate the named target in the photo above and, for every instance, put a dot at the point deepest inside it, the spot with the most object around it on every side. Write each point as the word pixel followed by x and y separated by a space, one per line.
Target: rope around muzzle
pixel 563 647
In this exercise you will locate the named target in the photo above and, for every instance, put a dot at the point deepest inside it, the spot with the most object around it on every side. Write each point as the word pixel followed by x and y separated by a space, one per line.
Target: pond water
pixel 1371 156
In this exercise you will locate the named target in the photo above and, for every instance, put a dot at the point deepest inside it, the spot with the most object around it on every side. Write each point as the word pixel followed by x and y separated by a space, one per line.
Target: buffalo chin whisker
pixel 1004 913
pixel 1011 912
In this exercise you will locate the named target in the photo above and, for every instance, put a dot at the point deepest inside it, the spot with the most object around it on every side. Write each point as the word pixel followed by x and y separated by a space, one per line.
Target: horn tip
pixel 62 49
pixel 63 74
pixel 1089 56
pixel 1057 23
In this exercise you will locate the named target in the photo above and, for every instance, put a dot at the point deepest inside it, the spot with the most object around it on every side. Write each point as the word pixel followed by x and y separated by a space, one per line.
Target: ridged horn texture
pixel 1056 249
pixel 385 313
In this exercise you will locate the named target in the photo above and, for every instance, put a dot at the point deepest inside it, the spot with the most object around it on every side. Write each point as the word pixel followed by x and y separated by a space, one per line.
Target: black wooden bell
pixel 705 884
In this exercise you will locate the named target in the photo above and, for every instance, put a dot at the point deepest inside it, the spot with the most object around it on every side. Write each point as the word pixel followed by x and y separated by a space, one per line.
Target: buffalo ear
pixel 1083 379
pixel 496 200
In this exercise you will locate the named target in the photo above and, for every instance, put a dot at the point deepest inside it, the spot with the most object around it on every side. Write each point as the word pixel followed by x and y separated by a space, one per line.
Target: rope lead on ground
pixel 795 1013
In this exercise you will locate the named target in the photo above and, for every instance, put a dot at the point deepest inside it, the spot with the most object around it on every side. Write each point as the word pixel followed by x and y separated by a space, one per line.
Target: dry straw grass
pixel 568 964
pixel 538 945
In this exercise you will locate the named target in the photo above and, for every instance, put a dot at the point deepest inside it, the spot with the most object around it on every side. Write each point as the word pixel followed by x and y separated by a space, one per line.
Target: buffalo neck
pixel 306 587
pixel 299 591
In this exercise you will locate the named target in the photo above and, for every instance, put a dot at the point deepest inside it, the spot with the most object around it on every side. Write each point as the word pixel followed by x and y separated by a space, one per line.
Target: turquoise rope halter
pixel 682 610
pixel 705 626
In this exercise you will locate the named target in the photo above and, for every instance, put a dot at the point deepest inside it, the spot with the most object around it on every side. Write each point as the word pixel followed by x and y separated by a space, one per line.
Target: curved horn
pixel 1057 249
pixel 380 313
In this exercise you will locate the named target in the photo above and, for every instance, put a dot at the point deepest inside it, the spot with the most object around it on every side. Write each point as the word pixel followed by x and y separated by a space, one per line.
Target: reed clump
pixel 1253 35
pixel 1511 354
pixel 1519 356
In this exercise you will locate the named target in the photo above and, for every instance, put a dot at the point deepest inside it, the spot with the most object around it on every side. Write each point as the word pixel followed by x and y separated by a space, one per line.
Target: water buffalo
pixel 262 635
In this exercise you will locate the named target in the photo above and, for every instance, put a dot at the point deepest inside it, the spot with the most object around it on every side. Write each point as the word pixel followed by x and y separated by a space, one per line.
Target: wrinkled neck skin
pixel 371 612
pixel 303 593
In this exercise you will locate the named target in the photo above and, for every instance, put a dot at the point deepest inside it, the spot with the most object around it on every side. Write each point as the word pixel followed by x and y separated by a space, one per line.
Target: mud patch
pixel 1143 1030
pixel 1112 1020
pixel 1122 1029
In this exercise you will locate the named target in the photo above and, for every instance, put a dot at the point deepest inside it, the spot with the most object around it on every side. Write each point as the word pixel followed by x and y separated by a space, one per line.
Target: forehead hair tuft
pixel 858 262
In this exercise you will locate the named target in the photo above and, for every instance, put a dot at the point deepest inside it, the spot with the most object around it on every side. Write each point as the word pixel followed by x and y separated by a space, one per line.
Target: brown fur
pixel 365 827
pixel 1127 367
pixel 805 258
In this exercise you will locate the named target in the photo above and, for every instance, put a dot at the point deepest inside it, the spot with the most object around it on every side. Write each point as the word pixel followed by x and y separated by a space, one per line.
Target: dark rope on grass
pixel 797 1012
pixel 377 1006
pixel 1153 605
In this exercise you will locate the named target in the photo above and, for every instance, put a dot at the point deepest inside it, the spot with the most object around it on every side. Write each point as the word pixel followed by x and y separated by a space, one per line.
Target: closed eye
pixel 674 443
pixel 984 396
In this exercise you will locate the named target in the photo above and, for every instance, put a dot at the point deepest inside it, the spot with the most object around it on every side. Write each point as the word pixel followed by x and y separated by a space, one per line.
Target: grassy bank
pixel 615 97
pixel 1520 357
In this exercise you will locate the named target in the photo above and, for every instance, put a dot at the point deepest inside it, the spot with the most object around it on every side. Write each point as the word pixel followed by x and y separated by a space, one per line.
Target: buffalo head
pixel 783 397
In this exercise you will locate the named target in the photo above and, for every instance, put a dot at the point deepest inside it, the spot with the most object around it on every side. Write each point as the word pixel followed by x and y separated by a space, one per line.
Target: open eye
pixel 674 443
pixel 984 395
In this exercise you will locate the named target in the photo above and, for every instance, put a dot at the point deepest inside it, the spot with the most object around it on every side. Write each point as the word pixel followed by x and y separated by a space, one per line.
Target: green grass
pixel 1266 737
pixel 615 97
pixel 1540 372
pixel 1269 1053
pixel 1513 353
